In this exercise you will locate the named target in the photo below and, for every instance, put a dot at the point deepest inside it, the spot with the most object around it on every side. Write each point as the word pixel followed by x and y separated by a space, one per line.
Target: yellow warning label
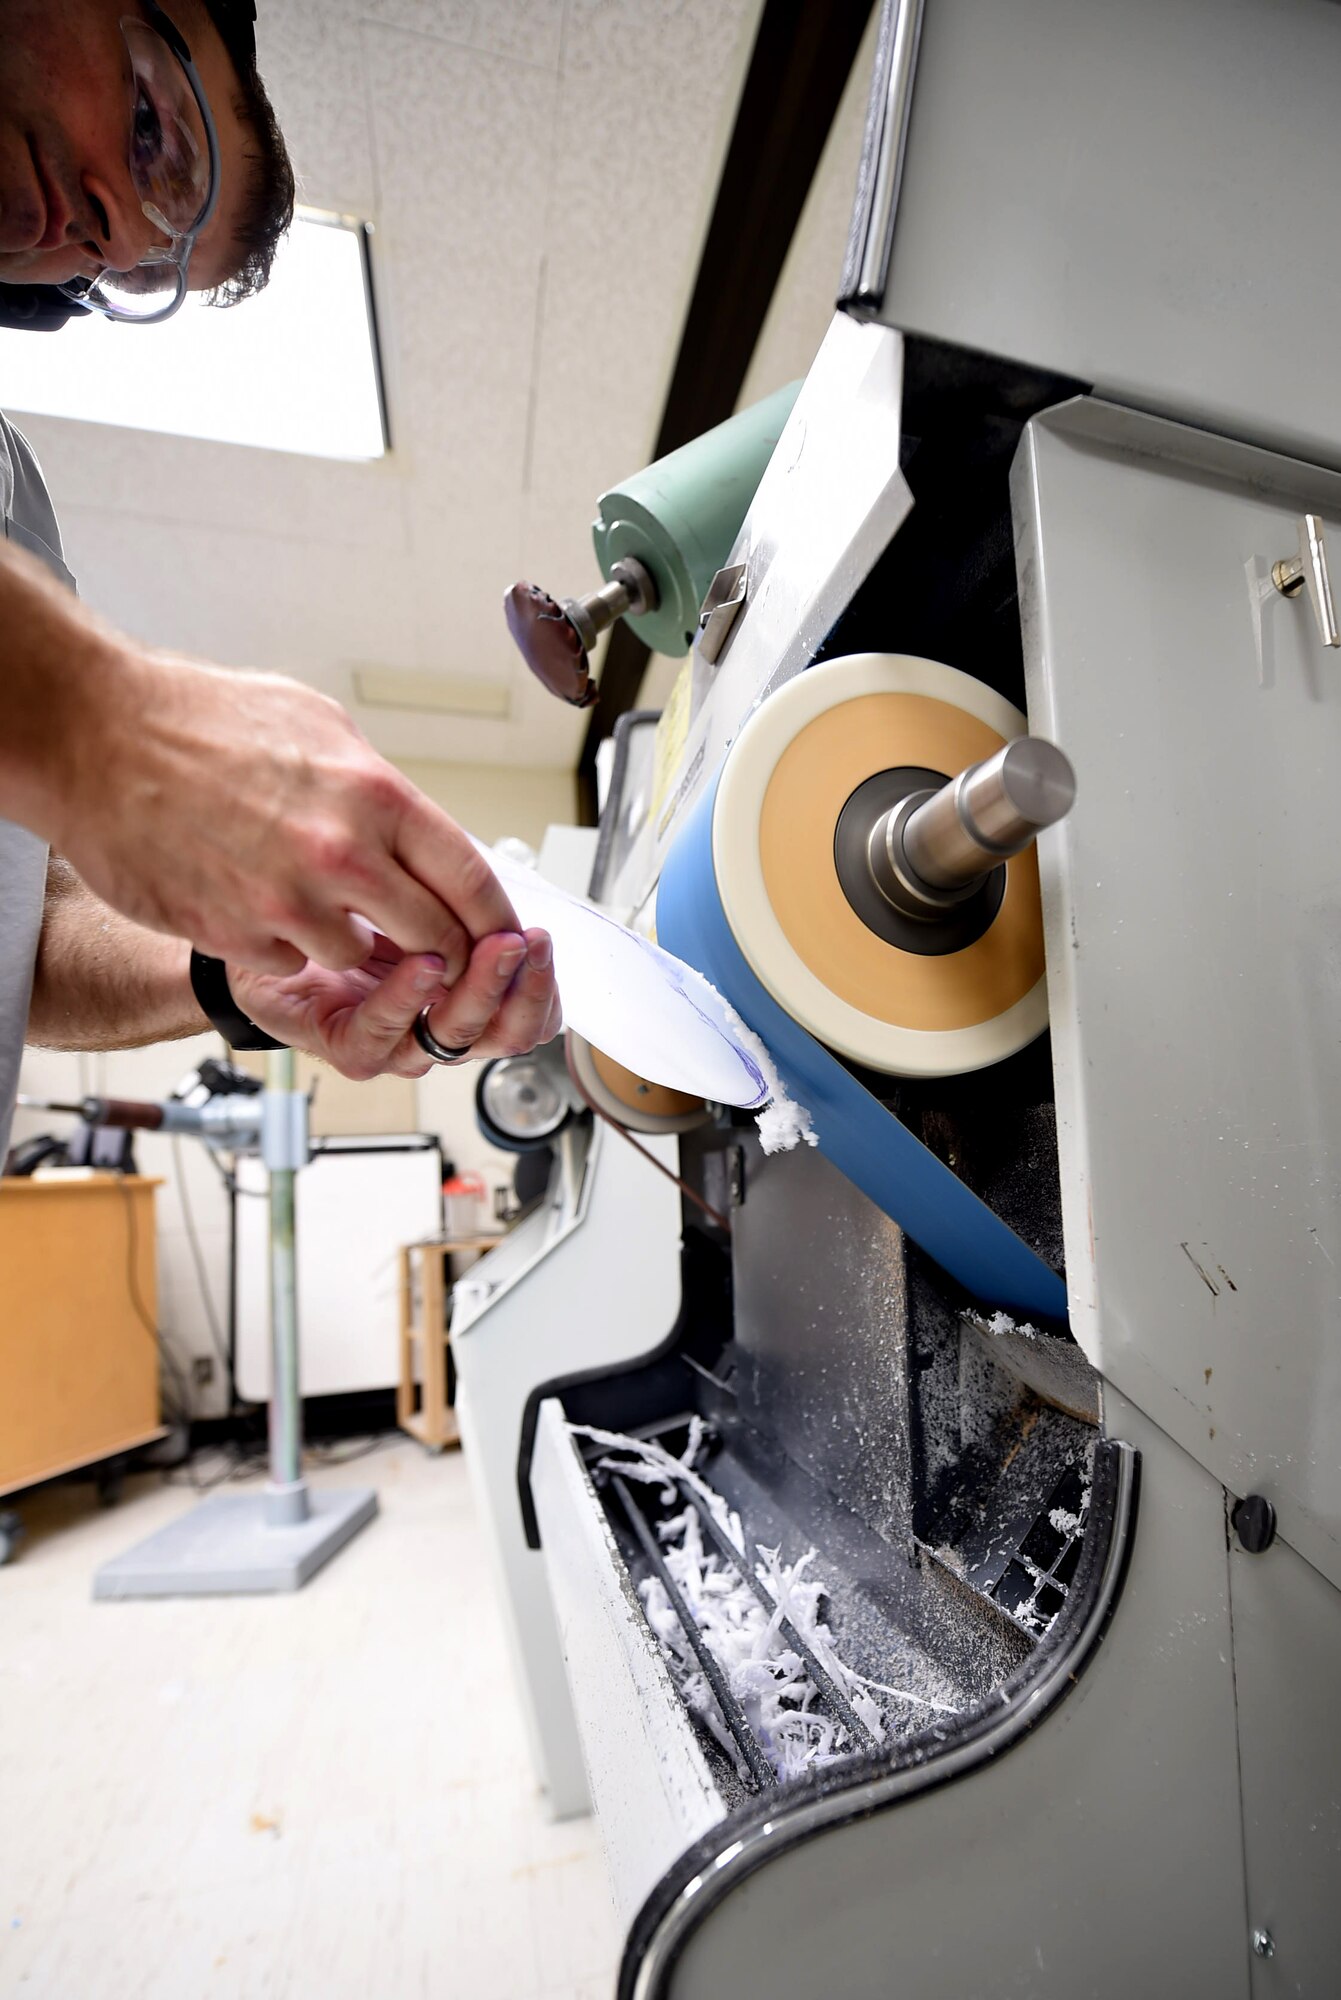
pixel 672 730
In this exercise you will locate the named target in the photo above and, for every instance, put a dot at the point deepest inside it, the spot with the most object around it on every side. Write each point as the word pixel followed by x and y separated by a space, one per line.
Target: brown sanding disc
pixel 630 1099
pixel 549 644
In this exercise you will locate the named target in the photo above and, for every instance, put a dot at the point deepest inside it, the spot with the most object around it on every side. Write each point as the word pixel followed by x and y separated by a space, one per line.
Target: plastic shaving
pixel 767 1676
pixel 1030 1613
pixel 782 1123
pixel 1000 1322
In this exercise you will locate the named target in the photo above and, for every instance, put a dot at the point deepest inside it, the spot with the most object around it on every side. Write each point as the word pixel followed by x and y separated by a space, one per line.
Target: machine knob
pixel 1310 567
pixel 935 849
pixel 555 639
pixel 1254 1522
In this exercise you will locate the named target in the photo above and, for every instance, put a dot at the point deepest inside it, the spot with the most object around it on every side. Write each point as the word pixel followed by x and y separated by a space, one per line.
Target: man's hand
pixel 242 811
pixel 360 1021
pixel 247 813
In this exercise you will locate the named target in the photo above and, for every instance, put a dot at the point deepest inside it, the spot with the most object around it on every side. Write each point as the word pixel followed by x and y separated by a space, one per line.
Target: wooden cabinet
pixel 423 1399
pixel 78 1309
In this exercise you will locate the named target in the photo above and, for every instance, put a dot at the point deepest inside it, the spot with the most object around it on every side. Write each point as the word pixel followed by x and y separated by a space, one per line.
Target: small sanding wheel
pixel 783 789
pixel 631 1100
pixel 549 644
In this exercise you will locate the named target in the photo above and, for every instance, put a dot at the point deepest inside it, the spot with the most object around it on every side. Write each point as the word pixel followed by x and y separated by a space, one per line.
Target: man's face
pixel 68 205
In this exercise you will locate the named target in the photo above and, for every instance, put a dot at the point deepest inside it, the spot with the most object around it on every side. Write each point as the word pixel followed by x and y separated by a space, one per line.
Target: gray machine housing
pixel 1075 263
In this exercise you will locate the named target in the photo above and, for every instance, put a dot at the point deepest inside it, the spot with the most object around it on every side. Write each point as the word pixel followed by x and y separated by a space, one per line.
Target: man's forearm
pixel 61 662
pixel 103 982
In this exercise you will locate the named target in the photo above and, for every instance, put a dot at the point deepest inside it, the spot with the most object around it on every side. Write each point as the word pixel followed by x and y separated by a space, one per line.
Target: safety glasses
pixel 174 168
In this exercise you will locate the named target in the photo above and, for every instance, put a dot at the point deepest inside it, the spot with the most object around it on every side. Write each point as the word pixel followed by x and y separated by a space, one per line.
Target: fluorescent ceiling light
pixel 433 694
pixel 294 369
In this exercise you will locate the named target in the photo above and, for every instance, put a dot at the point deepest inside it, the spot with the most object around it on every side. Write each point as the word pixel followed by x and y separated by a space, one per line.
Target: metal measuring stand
pixel 241 1545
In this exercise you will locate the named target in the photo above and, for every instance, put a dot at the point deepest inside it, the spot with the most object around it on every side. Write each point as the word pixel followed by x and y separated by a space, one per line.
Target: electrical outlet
pixel 202 1370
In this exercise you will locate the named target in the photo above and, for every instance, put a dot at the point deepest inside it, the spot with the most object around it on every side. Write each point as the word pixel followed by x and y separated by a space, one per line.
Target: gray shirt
pixel 25 506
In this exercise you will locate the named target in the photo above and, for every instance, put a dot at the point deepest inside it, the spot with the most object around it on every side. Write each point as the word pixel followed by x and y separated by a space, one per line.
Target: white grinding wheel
pixel 785 782
pixel 631 1100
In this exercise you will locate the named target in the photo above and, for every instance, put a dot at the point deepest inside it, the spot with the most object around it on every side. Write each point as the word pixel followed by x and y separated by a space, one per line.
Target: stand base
pixel 226 1548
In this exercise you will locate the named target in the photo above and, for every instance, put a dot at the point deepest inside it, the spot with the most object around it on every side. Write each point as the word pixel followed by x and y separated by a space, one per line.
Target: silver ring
pixel 429 1042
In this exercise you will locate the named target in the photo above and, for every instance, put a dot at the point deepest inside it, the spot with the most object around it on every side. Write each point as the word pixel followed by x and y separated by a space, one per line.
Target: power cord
pixel 240 1455
pixel 181 1415
pixel 324 1454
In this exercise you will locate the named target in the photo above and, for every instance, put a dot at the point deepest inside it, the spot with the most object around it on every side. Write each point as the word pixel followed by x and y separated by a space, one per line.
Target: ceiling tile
pixel 528 31
pixel 152 477
pixel 310 54
pixel 463 143
pixel 540 175
pixel 647 101
pixel 242 600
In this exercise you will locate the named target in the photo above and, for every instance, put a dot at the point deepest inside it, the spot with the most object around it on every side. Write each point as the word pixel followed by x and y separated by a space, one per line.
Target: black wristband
pixel 209 983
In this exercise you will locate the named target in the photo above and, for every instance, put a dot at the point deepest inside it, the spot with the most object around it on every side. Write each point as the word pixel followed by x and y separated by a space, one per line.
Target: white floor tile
pixel 317 1797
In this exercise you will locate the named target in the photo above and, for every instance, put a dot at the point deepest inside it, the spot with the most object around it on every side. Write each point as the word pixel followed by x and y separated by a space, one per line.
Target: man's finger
pixel 412 916
pixel 337 938
pixel 445 860
pixel 523 1012
pixel 302 925
pixel 409 1061
pixel 375 1027
pixel 327 937
pixel 464 1015
pixel 256 952
pixel 381 951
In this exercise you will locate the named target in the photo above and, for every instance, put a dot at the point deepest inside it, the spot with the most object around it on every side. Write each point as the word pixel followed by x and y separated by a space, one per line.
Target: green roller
pixel 680 517
pixel 661 537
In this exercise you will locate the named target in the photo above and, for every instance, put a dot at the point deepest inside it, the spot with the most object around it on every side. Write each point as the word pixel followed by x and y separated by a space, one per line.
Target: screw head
pixel 1254 1520
pixel 1263 1943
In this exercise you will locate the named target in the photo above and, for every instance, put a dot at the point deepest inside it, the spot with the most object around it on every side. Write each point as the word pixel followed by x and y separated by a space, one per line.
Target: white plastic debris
pixel 761 1668
pixel 1000 1322
pixel 783 1123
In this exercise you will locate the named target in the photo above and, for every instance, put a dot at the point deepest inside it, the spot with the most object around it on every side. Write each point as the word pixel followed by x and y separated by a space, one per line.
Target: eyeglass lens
pixel 169 156
pixel 169 148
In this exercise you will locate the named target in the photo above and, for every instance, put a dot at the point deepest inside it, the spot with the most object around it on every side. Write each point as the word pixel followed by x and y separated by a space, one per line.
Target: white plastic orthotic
pixel 637 1003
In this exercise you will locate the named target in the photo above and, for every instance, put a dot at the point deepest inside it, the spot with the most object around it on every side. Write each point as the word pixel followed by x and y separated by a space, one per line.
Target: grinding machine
pixel 1035 1354
pixel 528 1308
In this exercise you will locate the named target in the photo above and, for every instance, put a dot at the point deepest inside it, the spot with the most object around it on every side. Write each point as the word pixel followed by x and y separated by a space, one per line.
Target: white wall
pixel 495 800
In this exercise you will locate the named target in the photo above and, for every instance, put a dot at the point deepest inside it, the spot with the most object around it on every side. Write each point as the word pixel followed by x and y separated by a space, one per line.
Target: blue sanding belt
pixel 864 1141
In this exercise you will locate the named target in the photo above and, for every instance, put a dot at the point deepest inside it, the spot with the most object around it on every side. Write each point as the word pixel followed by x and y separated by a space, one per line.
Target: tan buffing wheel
pixel 631 1100
pixel 784 785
